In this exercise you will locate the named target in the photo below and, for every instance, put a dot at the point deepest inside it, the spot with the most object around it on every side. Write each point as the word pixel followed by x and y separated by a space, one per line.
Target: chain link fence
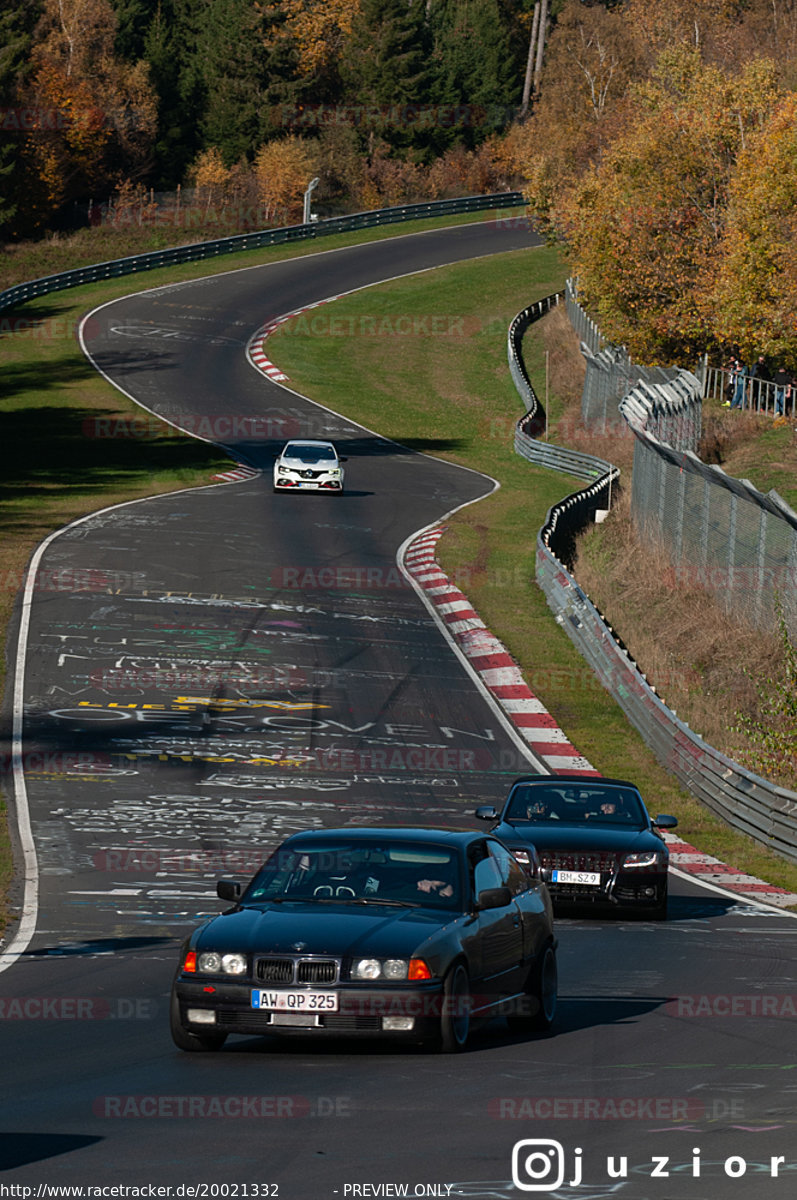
pixel 720 533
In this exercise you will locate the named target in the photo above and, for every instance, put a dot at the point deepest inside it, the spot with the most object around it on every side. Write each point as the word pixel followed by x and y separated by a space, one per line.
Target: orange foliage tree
pixel 93 116
pixel 753 300
pixel 283 169
pixel 316 30
pixel 644 226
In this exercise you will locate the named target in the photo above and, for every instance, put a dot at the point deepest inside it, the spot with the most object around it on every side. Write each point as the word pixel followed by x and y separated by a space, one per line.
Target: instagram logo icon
pixel 538 1165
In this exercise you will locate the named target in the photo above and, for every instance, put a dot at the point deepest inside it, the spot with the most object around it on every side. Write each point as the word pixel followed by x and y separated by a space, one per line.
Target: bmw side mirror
pixel 228 889
pixel 486 812
pixel 663 821
pixel 494 898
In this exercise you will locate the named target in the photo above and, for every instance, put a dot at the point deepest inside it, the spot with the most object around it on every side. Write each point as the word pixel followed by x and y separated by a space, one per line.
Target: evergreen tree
pixel 16 28
pixel 385 70
pixel 232 56
pixel 134 18
pixel 478 75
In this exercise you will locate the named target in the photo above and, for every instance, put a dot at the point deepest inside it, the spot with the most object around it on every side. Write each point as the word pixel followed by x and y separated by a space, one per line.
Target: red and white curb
pixel 504 679
pixel 703 867
pixel 492 661
pixel 236 475
pixel 256 350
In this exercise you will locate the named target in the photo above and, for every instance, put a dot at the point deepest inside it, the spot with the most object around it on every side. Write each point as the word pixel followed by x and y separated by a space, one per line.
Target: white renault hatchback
pixel 309 466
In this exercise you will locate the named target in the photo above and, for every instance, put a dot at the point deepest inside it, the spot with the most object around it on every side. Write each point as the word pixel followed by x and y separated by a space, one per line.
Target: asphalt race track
pixel 209 671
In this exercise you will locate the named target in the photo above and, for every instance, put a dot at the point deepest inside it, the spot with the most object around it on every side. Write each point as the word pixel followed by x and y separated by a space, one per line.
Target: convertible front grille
pixel 297 970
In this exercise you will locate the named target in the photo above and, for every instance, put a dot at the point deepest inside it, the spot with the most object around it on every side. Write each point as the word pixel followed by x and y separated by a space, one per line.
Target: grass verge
pixel 456 391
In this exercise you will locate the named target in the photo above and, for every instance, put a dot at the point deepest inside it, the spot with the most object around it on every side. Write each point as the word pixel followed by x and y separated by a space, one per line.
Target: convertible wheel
pixel 541 995
pixel 455 1018
pixel 191 1041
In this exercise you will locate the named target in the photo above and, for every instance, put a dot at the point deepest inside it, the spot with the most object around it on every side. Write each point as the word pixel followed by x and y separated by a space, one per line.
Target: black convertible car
pixel 590 839
pixel 409 934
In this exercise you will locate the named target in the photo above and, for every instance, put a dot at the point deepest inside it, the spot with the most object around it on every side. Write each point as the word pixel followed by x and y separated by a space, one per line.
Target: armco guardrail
pixel 746 801
pixel 579 509
pixel 197 251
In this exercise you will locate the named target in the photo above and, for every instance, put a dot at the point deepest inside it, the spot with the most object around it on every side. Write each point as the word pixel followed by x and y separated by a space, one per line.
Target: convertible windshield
pixel 353 872
pixel 598 805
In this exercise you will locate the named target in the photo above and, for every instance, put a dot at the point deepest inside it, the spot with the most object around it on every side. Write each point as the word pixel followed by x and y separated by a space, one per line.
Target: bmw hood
pixel 337 930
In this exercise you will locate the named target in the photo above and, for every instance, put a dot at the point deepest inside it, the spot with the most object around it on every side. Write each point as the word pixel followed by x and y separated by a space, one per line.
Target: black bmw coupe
pixel 591 841
pixel 409 934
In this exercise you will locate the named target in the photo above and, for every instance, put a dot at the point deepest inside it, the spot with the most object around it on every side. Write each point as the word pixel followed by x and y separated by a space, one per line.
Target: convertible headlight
pixel 212 963
pixel 650 858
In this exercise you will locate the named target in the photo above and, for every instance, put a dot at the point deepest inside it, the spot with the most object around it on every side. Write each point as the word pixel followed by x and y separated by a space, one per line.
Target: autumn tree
pixel 283 169
pixel 589 65
pixel 316 30
pixel 753 300
pixel 210 176
pixel 97 112
pixel 644 225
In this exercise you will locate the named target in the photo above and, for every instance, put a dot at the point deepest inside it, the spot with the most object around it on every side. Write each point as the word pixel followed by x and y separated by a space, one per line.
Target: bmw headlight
pixel 212 963
pixel 233 964
pixel 377 968
pixel 648 858
pixel 366 968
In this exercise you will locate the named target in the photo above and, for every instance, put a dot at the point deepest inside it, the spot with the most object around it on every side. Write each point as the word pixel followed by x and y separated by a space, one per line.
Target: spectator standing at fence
pixel 760 376
pixel 783 390
pixel 738 383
